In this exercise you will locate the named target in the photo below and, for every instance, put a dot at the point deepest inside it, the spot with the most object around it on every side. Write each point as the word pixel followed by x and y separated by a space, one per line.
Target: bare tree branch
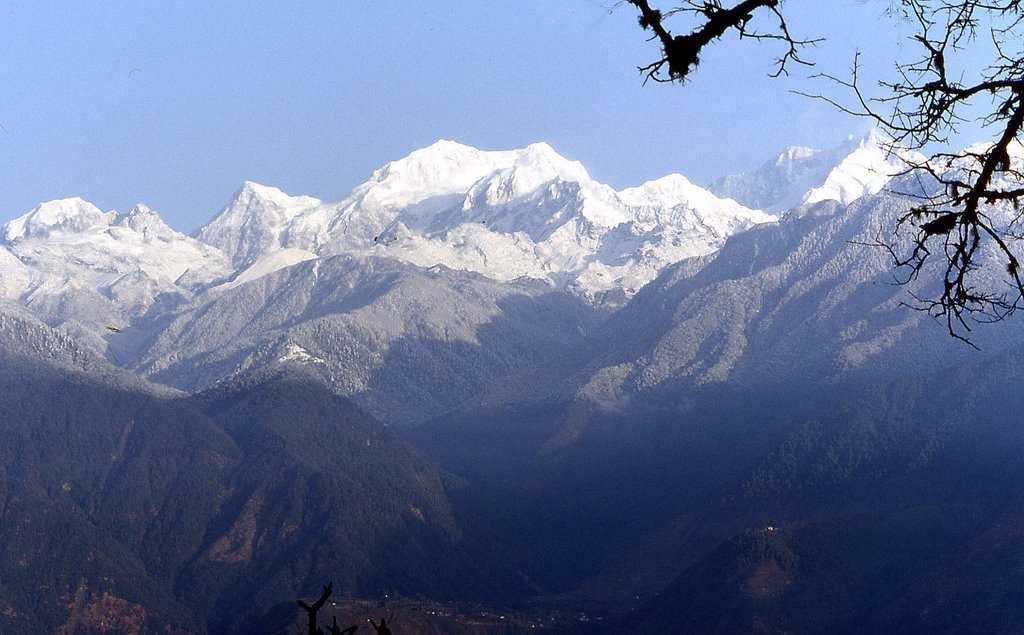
pixel 681 53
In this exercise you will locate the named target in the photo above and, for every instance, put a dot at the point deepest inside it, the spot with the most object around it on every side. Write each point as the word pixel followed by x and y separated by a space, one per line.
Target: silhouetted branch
pixel 312 609
pixel 681 53
pixel 335 630
pixel 382 628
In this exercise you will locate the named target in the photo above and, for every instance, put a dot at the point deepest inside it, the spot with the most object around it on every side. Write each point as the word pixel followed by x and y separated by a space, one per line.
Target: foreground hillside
pixel 127 507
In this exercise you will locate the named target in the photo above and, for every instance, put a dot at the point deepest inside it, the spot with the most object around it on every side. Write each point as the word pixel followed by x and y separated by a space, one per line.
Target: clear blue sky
pixel 175 103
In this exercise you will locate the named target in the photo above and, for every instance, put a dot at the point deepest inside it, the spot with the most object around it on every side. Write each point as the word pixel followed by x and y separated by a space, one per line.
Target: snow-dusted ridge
pixel 505 214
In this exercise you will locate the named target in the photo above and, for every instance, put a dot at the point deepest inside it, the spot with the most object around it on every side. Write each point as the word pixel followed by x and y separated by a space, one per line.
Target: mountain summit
pixel 62 215
pixel 254 222
pixel 506 214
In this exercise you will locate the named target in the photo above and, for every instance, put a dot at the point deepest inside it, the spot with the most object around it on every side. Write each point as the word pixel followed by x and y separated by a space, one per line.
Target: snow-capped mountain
pixel 804 176
pixel 526 213
pixel 254 223
pixel 75 266
pixel 73 240
pixel 505 214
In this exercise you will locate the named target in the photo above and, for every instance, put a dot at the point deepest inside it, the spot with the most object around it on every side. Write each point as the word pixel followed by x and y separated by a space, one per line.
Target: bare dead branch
pixel 681 53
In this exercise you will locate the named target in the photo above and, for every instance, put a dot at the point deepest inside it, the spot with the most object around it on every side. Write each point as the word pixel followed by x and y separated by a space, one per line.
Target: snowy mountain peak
pixel 541 161
pixel 436 163
pixel 868 165
pixel 145 221
pixel 671 189
pixel 254 222
pixel 255 199
pixel 67 214
pixel 800 175
pixel 440 148
pixel 442 168
pixel 253 191
pixel 532 167
pixel 541 153
pixel 670 193
pixel 446 168
pixel 675 205
pixel 141 210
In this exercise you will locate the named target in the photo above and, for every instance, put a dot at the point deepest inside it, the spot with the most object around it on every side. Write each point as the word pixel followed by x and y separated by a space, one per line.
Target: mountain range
pixel 484 376
pixel 115 281
pixel 133 289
